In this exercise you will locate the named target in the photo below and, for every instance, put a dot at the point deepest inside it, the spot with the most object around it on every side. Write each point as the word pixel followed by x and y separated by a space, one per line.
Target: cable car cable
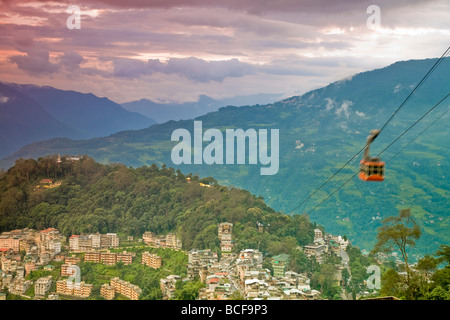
pixel 431 124
pixel 436 64
pixel 417 121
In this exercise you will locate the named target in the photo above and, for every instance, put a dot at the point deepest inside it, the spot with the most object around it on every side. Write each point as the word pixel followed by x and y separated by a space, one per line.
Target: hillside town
pixel 225 274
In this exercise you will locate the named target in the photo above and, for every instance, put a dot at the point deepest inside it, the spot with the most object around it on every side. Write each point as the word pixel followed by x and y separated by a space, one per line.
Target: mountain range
pixel 30 113
pixel 318 133
pixel 163 112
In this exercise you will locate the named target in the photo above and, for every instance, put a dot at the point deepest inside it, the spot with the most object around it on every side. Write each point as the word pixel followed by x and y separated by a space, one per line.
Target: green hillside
pixel 87 197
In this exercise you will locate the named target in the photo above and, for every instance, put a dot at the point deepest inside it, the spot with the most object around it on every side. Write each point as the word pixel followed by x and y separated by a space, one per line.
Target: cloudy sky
pixel 174 50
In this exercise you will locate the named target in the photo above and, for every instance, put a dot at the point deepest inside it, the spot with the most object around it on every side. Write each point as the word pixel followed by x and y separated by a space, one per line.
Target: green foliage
pixel 425 283
pixel 113 198
pixel 188 290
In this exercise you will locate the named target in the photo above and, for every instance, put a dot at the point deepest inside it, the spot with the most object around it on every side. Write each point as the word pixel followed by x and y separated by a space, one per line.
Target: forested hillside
pixel 93 197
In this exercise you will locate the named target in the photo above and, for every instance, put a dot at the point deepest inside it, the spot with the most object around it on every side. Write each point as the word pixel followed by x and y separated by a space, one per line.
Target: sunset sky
pixel 175 50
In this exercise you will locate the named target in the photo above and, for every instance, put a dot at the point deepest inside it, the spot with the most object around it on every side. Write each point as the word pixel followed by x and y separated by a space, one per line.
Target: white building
pixel 42 286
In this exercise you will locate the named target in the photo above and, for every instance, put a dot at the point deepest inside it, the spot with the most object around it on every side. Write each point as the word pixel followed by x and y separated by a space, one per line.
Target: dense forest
pixel 93 197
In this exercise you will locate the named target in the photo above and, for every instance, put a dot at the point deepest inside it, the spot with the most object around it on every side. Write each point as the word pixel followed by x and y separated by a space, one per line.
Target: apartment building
pixel 67 270
pixel 81 243
pixel 8 265
pixel 197 259
pixel 152 260
pixel 169 240
pixel 225 231
pixel 84 243
pixel 92 257
pixel 30 266
pixel 112 240
pixel 168 286
pixel 126 288
pixel 74 243
pixel 19 286
pixel 279 264
pixel 173 242
pixel 81 289
pixel 316 250
pixel 42 286
pixel 10 242
pixel 72 260
pixel 50 240
pixel 125 257
pixel 108 258
pixel 107 291
pixel 318 236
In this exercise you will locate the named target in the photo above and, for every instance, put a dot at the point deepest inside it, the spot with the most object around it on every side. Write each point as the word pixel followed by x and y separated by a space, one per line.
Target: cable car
pixel 371 168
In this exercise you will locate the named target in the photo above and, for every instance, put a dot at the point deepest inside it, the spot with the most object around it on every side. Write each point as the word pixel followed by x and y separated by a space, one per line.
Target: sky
pixel 176 50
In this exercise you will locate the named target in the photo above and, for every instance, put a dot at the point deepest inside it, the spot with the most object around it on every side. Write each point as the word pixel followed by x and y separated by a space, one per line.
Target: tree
pixel 398 232
pixel 391 283
pixel 443 253
pixel 427 265
pixel 438 293
pixel 188 290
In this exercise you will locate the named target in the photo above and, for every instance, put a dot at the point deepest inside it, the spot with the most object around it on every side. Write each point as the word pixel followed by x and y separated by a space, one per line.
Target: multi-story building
pixel 6 280
pixel 72 260
pixel 9 265
pixel 92 257
pixel 254 288
pixel 42 286
pixel 62 288
pixel 225 231
pixel 168 286
pixel 125 257
pixel 30 266
pixel 197 259
pixel 10 242
pixel 19 286
pixel 67 270
pixel 107 291
pixel 126 288
pixel 93 242
pixel 279 264
pixel 108 258
pixel 80 289
pixel 247 260
pixel 83 290
pixel 318 236
pixel 173 242
pixel 148 237
pixel 169 240
pixel 96 240
pixel 151 260
pixel 84 243
pixel 113 240
pixel 315 249
pixel 74 243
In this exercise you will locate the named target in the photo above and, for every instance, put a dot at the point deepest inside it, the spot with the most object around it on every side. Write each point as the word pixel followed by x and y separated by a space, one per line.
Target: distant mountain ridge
pixel 163 112
pixel 23 120
pixel 31 113
pixel 320 131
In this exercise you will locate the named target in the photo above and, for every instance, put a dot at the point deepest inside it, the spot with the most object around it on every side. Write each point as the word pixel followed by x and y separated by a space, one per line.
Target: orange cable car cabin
pixel 371 168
